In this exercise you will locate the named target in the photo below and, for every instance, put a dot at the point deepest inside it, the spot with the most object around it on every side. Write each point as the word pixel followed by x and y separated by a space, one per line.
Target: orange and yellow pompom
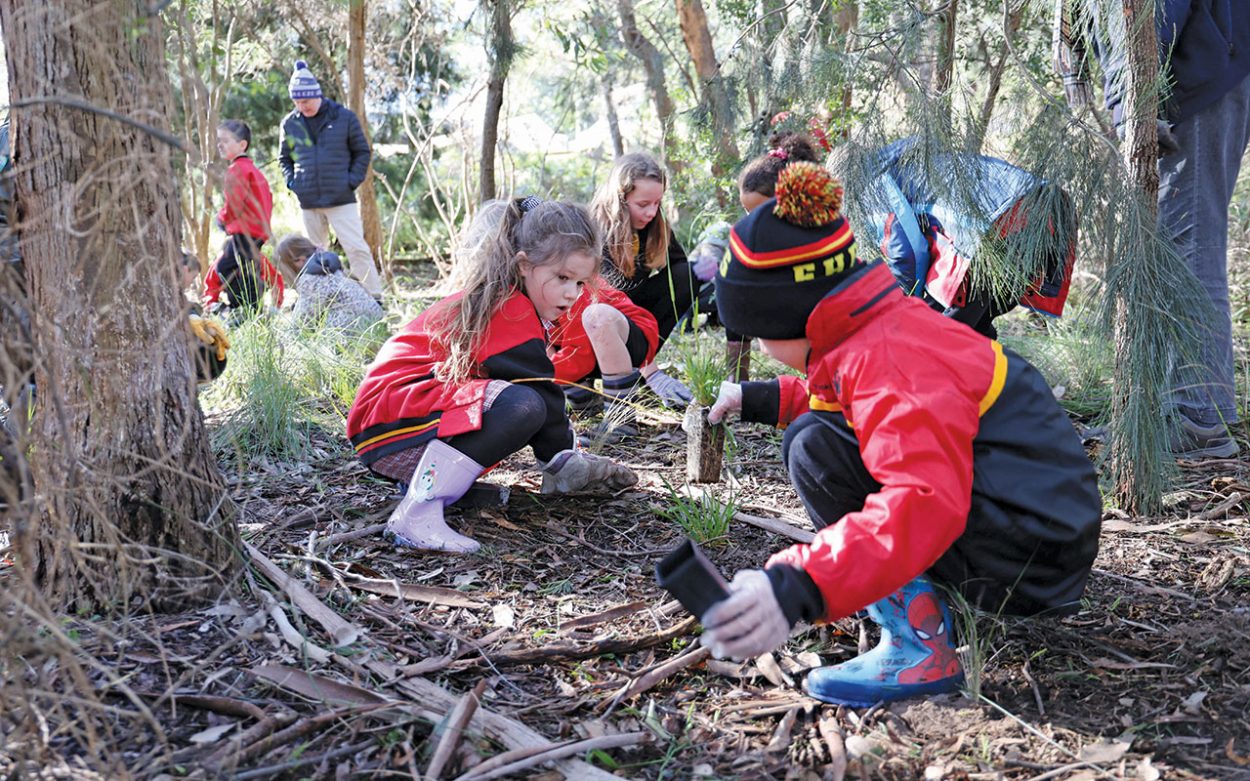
pixel 808 195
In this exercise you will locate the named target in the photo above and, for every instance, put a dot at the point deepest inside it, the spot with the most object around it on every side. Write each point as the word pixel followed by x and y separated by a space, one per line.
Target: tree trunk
pixel 357 23
pixel 944 67
pixel 996 76
pixel 133 510
pixel 614 124
pixel 847 19
pixel 500 49
pixel 694 31
pixel 653 65
pixel 1141 145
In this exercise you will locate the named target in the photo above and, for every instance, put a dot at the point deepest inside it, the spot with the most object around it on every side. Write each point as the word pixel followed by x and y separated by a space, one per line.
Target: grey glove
pixel 670 390
pixel 747 623
pixel 577 470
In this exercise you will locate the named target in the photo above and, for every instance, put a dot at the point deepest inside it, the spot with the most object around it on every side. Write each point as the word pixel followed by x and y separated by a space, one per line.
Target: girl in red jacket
pixel 245 217
pixel 470 381
pixel 922 451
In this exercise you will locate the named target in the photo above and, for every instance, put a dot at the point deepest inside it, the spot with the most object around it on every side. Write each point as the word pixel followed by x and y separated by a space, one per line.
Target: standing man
pixel 1204 128
pixel 324 157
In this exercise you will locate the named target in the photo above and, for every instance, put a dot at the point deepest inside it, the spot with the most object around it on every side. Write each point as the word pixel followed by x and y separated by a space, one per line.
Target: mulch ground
pixel 555 632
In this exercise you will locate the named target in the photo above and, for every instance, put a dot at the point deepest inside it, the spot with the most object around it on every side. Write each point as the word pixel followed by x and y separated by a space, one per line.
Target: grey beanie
pixel 303 83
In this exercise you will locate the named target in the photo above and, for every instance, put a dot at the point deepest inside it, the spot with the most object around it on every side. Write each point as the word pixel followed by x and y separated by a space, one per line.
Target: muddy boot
pixel 738 359
pixel 916 655
pixel 577 470
pixel 443 476
pixel 619 418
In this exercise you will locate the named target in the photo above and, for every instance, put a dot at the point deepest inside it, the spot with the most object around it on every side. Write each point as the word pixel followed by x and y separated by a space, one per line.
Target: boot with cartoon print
pixel 916 655
pixel 443 475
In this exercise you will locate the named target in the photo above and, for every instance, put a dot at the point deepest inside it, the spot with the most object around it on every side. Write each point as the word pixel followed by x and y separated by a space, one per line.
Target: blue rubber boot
pixel 916 655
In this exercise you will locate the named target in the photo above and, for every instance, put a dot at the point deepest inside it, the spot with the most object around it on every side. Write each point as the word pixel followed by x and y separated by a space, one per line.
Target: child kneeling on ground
pixel 469 381
pixel 923 452
pixel 327 296
pixel 604 335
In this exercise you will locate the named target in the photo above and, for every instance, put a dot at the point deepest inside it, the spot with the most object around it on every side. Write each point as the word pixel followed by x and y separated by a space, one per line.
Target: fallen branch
pixel 777 526
pixel 366 531
pixel 342 631
pixel 298 730
pixel 455 727
pixel 655 675
pixel 835 741
pixel 431 595
pixel 557 752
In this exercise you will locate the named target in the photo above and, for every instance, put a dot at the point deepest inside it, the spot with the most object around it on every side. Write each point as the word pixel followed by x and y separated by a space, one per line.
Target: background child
pixel 604 335
pixel 919 448
pixel 245 217
pixel 756 184
pixel 212 342
pixel 468 382
pixel 642 257
pixel 327 296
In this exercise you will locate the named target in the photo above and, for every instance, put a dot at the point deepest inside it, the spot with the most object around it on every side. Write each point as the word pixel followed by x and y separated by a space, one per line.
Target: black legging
pixel 822 455
pixel 239 269
pixel 654 295
pixel 518 417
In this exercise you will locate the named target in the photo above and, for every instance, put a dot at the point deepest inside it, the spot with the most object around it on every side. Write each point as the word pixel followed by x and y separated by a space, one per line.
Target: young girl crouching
pixel 469 381
pixel 327 296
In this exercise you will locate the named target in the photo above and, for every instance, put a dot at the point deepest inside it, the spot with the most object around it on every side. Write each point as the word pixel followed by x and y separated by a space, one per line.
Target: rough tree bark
pixel 133 509
pixel 944 66
pixel 653 65
pixel 614 124
pixel 357 23
pixel 694 31
pixel 1141 150
pixel 846 19
pixel 500 49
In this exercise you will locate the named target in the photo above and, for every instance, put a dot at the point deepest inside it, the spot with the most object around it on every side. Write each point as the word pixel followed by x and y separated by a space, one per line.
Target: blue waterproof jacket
pixel 1204 46
pixel 325 158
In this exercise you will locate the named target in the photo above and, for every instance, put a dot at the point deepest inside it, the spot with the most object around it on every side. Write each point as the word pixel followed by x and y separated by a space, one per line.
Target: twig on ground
pixel 655 675
pixel 568 651
pixel 776 526
pixel 456 723
pixel 835 741
pixel 1037 694
pixel 355 534
pixel 557 752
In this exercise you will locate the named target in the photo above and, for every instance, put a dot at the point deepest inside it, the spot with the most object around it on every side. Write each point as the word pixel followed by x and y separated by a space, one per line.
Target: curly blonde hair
pixel 610 211
pixel 488 271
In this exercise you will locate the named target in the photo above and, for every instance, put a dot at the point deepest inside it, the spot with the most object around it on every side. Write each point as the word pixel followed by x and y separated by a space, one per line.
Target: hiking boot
pixel 572 471
pixel 1194 440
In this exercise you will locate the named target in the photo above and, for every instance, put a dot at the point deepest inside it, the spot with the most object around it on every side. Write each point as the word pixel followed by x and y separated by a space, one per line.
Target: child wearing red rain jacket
pixel 470 380
pixel 241 271
pixel 922 451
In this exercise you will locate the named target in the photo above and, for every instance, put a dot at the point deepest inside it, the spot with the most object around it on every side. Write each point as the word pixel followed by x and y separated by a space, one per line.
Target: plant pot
pixel 705 446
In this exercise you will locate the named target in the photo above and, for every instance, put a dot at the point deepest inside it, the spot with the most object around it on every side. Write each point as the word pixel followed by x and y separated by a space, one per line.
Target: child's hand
pixel 670 390
pixel 728 401
pixel 211 334
pixel 747 623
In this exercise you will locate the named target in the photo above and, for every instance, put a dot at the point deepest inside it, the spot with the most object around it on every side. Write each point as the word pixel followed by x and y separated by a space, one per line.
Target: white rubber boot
pixel 443 476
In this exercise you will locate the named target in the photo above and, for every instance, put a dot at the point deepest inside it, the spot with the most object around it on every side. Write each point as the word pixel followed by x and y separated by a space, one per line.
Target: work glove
pixel 670 390
pixel 728 402
pixel 748 622
pixel 576 470
pixel 211 334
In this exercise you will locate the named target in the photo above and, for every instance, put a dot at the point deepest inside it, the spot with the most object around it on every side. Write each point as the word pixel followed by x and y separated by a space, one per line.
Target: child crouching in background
pixel 327 297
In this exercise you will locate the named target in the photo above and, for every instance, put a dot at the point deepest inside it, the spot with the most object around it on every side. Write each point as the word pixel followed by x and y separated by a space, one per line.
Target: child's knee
pixel 603 318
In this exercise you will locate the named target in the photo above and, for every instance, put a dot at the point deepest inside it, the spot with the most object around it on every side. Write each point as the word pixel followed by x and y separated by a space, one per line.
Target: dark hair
pixel 239 129
pixel 760 175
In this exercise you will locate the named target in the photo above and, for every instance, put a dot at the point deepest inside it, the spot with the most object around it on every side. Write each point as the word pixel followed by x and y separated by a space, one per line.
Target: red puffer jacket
pixel 249 203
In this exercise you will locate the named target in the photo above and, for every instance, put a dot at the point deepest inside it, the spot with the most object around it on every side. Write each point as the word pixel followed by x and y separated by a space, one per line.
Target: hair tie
pixel 779 153
pixel 529 203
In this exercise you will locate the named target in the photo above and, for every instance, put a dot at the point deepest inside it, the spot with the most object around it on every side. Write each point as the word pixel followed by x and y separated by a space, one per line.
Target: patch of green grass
pixel 705 365
pixel 705 519
pixel 1070 353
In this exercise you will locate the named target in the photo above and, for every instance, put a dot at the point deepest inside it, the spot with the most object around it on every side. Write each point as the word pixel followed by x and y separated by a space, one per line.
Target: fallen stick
pixel 293 638
pixel 299 729
pixel 569 651
pixel 355 534
pixel 431 595
pixel 455 727
pixel 259 730
pixel 777 526
pixel 556 752
pixel 341 631
pixel 655 675
pixel 835 741
pixel 226 706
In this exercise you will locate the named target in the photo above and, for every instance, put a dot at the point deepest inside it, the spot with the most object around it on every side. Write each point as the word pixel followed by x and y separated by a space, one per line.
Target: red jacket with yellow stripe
pixel 401 404
pixel 573 357
pixel 981 477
